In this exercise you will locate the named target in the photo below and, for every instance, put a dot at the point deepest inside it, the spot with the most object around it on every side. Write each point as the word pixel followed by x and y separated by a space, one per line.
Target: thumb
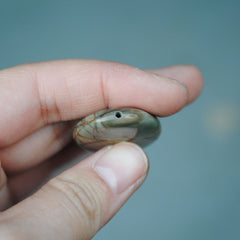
pixel 78 202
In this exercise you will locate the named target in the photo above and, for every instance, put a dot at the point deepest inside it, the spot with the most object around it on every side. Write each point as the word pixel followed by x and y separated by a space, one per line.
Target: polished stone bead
pixel 111 126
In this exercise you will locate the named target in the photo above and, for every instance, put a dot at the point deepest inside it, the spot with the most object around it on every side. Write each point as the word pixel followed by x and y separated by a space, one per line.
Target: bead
pixel 111 126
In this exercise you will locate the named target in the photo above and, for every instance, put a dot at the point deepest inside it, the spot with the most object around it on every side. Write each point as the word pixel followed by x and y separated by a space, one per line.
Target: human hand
pixel 38 102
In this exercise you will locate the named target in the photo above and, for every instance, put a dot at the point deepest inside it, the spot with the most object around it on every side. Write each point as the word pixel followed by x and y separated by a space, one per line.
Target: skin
pixel 39 103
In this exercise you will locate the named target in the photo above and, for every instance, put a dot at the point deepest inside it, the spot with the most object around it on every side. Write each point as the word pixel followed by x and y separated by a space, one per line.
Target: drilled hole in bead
pixel 118 114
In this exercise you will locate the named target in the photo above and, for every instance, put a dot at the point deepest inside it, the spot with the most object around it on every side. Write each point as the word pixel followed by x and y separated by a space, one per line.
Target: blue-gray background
pixel 193 187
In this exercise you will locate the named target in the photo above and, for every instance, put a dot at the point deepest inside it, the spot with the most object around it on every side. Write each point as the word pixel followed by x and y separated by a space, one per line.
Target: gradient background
pixel 193 188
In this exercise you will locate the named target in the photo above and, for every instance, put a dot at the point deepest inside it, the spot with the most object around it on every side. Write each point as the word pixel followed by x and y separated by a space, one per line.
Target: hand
pixel 38 103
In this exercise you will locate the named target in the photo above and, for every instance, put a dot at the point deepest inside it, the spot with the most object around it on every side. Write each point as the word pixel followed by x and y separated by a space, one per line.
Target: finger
pixel 5 195
pixel 187 74
pixel 25 183
pixel 35 148
pixel 35 95
pixel 77 203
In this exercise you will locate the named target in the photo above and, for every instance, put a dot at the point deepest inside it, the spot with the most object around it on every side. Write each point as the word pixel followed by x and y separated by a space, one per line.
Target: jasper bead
pixel 111 126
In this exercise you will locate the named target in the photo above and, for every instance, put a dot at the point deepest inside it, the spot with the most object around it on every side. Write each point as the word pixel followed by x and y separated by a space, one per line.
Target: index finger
pixel 34 95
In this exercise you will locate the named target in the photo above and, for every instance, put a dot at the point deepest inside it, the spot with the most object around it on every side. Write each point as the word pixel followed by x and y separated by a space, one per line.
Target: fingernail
pixel 171 80
pixel 121 166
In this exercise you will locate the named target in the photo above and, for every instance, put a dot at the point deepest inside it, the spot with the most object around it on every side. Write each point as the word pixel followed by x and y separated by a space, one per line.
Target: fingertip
pixel 121 166
pixel 173 95
pixel 193 78
pixel 189 75
pixel 147 90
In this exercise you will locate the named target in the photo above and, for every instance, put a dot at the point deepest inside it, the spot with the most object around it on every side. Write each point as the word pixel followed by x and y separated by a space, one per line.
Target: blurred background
pixel 193 187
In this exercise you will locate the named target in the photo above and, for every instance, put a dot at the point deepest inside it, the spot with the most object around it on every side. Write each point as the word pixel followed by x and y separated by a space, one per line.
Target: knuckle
pixel 50 109
pixel 81 197
pixel 104 89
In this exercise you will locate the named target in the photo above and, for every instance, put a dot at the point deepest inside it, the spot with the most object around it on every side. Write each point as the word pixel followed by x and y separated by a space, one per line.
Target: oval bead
pixel 111 126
